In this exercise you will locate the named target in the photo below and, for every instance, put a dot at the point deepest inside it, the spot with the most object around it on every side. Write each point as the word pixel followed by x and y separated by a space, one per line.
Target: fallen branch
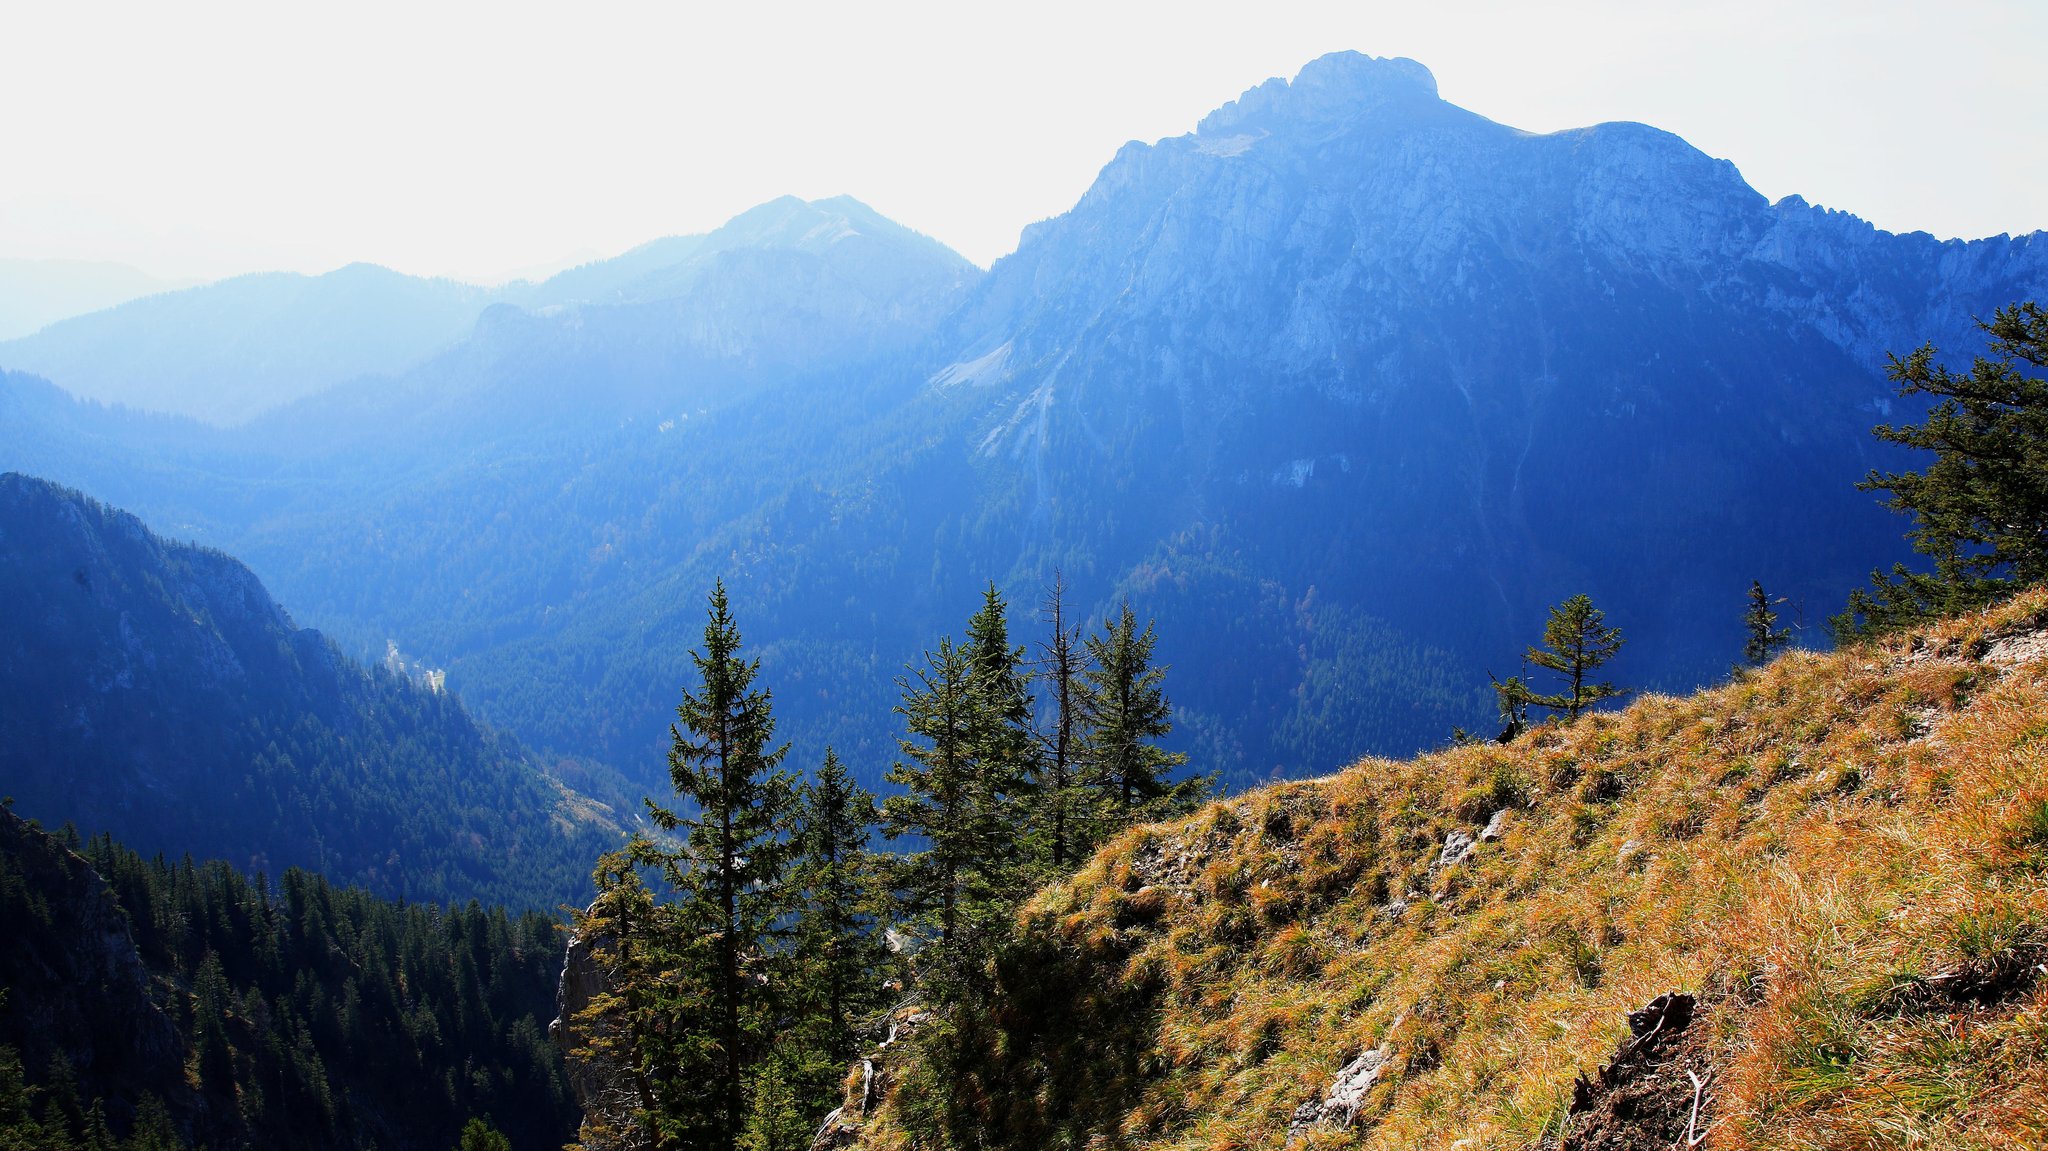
pixel 1698 1088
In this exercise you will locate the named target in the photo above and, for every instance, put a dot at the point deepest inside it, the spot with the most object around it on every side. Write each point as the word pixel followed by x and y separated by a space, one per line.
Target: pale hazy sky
pixel 479 139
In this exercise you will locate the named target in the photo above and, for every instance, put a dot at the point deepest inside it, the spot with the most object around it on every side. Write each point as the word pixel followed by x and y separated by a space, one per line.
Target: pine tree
pixel 1577 642
pixel 728 874
pixel 943 800
pixel 1125 707
pixel 839 923
pixel 1766 639
pixel 1980 509
pixel 1062 669
pixel 210 996
pixel 967 773
pixel 1007 767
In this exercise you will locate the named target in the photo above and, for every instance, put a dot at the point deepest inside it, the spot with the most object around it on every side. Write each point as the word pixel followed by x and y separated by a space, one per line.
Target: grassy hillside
pixel 1843 856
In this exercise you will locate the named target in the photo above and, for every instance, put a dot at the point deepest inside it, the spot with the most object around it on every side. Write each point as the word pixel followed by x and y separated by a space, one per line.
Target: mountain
pixel 1450 372
pixel 178 1005
pixel 155 691
pixel 227 351
pixel 892 264
pixel 35 293
pixel 1345 387
pixel 1800 910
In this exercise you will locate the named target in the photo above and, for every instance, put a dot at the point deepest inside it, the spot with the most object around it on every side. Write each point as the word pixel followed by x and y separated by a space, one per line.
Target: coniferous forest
pixel 155 1005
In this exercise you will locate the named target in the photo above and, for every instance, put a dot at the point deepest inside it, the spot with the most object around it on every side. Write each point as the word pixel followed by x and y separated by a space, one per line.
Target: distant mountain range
pixel 34 293
pixel 155 691
pixel 1345 387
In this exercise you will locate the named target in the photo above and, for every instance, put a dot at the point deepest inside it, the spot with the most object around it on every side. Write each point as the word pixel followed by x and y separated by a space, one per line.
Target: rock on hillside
pixel 1809 908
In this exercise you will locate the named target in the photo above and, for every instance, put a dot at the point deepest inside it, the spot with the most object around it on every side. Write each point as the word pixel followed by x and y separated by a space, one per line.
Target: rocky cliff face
pixel 604 1087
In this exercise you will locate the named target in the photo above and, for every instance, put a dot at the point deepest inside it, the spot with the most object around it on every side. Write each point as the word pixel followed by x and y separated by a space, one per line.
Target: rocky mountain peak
pixel 1334 88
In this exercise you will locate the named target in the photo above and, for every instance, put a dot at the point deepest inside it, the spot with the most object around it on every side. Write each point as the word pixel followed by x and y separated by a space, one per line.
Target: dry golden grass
pixel 1796 848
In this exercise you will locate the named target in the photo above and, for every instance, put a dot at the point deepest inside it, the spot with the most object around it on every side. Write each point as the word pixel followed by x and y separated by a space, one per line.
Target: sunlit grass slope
pixel 1845 856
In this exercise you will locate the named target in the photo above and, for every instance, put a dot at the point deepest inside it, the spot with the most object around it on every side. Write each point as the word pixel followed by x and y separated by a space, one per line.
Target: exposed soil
pixel 1658 1091
pixel 1983 981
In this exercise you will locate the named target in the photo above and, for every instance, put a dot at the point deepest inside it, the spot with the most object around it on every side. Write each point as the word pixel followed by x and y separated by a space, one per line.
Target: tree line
pixel 751 944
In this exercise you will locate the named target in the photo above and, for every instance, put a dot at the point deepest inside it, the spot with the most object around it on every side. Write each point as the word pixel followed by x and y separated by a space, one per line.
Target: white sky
pixel 479 139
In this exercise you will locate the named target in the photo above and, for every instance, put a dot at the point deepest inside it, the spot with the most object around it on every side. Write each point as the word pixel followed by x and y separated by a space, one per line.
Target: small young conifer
pixel 1576 643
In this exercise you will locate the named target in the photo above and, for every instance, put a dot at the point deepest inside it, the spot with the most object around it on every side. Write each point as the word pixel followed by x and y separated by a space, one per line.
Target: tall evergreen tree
pixel 942 801
pixel 728 873
pixel 1760 624
pixel 1127 712
pixel 1980 509
pixel 839 923
pixel 1062 665
pixel 1008 767
pixel 968 772
pixel 1576 643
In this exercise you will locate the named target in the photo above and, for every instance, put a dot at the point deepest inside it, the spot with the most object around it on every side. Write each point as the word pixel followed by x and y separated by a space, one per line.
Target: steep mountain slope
pixel 156 691
pixel 1837 863
pixel 227 351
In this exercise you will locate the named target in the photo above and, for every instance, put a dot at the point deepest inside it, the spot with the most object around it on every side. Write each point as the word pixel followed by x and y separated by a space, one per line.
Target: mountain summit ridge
pixel 1339 85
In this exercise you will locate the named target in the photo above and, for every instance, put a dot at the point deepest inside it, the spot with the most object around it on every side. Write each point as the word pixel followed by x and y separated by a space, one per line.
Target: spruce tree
pixel 967 773
pixel 1765 638
pixel 1062 666
pixel 839 923
pixel 1980 509
pixel 734 824
pixel 1007 762
pixel 941 802
pixel 1577 642
pixel 1125 707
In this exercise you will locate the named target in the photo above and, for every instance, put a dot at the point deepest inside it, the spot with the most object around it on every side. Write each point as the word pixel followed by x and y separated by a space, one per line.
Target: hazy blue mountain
pixel 155 691
pixel 1346 386
pixel 227 351
pixel 889 261
pixel 34 293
